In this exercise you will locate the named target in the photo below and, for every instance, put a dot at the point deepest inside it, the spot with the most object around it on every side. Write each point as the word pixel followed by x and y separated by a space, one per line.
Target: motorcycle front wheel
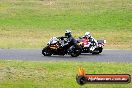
pixel 46 51
pixel 99 50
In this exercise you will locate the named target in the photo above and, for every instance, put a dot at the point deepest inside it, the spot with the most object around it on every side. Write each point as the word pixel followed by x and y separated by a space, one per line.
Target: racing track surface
pixel 35 55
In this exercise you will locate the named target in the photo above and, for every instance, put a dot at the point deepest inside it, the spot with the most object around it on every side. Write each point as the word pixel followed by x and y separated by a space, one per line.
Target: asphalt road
pixel 35 55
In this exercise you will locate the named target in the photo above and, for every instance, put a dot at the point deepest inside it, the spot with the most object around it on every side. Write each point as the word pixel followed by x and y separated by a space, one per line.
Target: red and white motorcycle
pixel 86 46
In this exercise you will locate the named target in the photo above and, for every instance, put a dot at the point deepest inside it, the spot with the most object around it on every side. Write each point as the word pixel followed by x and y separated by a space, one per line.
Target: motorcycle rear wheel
pixel 76 53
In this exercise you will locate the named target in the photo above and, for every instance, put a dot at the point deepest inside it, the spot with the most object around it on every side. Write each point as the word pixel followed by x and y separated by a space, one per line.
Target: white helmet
pixel 87 34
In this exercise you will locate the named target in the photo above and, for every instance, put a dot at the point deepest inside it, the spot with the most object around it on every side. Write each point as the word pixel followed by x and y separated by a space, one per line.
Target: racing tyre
pixel 97 51
pixel 46 52
pixel 100 49
pixel 76 52
pixel 81 80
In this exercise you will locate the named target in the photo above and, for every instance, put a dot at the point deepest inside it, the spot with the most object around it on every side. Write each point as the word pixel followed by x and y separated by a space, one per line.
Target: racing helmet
pixel 68 33
pixel 87 34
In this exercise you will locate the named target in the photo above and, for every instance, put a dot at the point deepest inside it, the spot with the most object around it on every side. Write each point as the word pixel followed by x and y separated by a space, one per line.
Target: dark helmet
pixel 68 33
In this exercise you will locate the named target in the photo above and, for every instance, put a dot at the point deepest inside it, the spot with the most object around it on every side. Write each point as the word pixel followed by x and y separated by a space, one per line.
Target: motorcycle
pixel 86 45
pixel 61 46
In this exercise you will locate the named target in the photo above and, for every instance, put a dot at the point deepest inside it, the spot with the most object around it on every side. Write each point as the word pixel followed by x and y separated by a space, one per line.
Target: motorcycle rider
pixel 93 42
pixel 70 39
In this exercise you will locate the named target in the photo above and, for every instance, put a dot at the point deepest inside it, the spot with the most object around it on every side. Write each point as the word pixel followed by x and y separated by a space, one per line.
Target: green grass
pixel 59 74
pixel 29 24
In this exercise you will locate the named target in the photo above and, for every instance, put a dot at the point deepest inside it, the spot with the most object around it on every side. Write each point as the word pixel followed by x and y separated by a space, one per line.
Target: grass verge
pixel 60 74
pixel 29 24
